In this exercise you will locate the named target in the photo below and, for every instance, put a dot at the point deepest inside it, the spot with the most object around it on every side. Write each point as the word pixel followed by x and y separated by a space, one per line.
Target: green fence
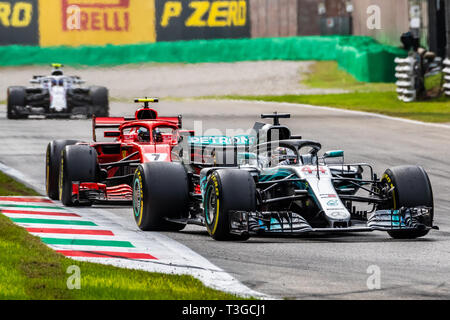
pixel 362 57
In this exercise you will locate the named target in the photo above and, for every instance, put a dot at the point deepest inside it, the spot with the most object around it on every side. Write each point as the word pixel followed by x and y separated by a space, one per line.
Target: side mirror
pixel 333 154
pixel 111 134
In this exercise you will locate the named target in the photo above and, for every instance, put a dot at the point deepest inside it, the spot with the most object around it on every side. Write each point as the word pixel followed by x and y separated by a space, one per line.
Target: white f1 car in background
pixel 57 95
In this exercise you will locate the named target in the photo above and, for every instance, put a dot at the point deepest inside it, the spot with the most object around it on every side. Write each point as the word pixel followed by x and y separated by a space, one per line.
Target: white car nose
pixel 58 100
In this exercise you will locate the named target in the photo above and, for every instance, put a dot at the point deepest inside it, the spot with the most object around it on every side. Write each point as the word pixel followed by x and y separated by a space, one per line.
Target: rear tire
pixel 99 98
pixel 78 163
pixel 227 190
pixel 160 191
pixel 52 166
pixel 412 188
pixel 16 97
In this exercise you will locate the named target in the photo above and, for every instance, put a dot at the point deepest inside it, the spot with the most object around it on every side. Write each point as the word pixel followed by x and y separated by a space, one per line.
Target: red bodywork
pixel 127 149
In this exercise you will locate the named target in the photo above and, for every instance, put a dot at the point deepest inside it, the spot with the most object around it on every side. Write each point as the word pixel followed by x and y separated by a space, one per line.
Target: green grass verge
pixel 328 75
pixel 370 97
pixel 31 270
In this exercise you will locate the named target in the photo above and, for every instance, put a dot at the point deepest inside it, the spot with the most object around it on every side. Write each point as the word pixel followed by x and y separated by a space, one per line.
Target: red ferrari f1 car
pixel 81 173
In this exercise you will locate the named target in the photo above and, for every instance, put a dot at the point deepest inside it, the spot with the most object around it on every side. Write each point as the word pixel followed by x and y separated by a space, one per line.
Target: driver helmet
pixel 57 82
pixel 281 156
pixel 143 135
pixel 157 136
pixel 57 72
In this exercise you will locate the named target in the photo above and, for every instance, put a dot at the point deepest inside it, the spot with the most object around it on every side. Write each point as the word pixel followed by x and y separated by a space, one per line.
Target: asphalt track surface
pixel 314 267
pixel 184 80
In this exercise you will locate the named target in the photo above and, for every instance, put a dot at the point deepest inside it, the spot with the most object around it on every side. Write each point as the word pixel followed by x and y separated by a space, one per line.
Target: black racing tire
pixel 160 192
pixel 52 165
pixel 78 163
pixel 16 96
pixel 226 190
pixel 100 102
pixel 412 188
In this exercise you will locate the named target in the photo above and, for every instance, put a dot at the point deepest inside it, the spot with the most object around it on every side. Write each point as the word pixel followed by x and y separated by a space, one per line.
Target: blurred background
pixel 383 20
pixel 354 17
pixel 34 22
pixel 342 45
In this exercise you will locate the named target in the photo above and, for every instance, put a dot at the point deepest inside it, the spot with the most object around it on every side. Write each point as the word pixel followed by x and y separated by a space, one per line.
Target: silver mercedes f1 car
pixel 280 184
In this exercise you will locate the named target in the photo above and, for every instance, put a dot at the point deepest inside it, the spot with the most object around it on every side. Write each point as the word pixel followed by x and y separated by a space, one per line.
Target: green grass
pixel 370 97
pixel 10 187
pixel 327 75
pixel 31 270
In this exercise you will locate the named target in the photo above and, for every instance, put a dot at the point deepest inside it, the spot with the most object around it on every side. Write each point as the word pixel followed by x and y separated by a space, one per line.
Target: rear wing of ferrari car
pixel 106 123
pixel 116 122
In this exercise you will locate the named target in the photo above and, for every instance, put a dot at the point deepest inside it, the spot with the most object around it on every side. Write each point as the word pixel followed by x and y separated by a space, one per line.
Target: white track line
pixel 41 216
pixel 37 206
pixel 59 226
pixel 77 236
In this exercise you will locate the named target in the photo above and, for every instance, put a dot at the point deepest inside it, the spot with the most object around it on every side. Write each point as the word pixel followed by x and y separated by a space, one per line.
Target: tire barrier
pixel 418 76
pixel 447 77
pixel 406 79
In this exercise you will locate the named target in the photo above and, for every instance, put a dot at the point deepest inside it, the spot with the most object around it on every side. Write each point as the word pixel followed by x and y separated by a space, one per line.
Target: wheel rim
pixel 211 204
pixel 47 173
pixel 385 190
pixel 61 179
pixel 137 198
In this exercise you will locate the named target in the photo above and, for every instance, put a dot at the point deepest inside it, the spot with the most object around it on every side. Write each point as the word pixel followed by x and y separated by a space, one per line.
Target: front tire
pixel 16 97
pixel 52 166
pixel 227 190
pixel 160 191
pixel 78 163
pixel 411 188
